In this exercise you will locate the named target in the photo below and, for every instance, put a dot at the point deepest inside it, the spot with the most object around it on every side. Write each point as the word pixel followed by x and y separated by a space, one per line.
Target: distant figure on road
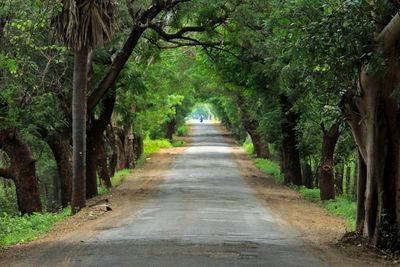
pixel 201 119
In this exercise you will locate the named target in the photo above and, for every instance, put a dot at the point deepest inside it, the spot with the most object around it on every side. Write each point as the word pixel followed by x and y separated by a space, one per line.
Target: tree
pixel 82 26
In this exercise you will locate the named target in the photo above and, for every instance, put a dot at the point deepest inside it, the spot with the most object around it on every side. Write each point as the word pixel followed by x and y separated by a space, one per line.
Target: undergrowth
pixel 182 131
pixel 115 181
pixel 18 229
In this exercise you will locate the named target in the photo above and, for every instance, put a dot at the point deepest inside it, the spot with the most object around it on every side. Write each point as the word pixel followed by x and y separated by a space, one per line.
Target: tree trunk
pixel 170 129
pixel 102 165
pixel 260 148
pixel 60 145
pixel 348 177
pixel 95 146
pixel 307 176
pixel 339 180
pixel 291 155
pixel 79 129
pixel 326 178
pixel 22 171
pixel 373 117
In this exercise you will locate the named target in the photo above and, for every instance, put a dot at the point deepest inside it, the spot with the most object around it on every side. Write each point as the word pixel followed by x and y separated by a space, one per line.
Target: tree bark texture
pixel 22 171
pixel 290 151
pixel 374 119
pixel 307 176
pixel 339 179
pixel 326 177
pixel 79 129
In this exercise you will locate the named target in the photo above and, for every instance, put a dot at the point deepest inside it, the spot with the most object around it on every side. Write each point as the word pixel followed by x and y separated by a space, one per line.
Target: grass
pixel 271 168
pixel 152 146
pixel 18 229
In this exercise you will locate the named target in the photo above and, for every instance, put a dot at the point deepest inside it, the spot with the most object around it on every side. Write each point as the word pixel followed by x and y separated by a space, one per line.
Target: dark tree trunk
pixel 307 176
pixel 291 155
pixel 78 200
pixel 339 180
pixel 95 146
pixel 60 145
pixel 22 171
pixel 102 165
pixel 260 148
pixel 138 147
pixel 326 178
pixel 170 129
pixel 348 177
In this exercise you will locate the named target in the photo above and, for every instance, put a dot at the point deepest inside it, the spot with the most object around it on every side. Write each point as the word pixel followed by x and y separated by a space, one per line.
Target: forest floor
pixel 319 231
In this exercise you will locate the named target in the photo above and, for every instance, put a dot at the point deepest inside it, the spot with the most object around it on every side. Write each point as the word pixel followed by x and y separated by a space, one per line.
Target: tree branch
pixel 390 34
pixel 7 173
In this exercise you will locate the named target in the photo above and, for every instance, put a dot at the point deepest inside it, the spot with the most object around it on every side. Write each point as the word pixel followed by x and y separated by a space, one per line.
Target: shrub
pixel 178 143
pixel 152 146
pixel 17 229
pixel 182 131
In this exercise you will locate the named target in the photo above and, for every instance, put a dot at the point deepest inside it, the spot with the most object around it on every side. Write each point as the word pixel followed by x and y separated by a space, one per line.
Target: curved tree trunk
pixel 60 145
pixel 95 146
pixel 78 200
pixel 22 171
pixel 250 124
pixel 290 151
pixel 326 178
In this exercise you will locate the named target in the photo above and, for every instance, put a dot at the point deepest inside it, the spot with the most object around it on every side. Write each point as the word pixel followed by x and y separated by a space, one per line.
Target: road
pixel 203 215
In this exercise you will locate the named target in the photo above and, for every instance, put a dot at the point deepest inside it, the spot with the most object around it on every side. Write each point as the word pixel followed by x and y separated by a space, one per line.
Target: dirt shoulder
pixel 319 230
pixel 124 200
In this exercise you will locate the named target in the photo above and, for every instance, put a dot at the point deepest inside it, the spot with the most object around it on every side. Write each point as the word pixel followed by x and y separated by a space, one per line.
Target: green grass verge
pixel 152 146
pixel 18 229
pixel 271 168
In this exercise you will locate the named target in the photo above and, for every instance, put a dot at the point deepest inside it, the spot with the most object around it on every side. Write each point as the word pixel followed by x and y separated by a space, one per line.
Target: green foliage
pixel 182 130
pixel 153 146
pixel 271 168
pixel 248 146
pixel 178 143
pixel 17 229
pixel 8 200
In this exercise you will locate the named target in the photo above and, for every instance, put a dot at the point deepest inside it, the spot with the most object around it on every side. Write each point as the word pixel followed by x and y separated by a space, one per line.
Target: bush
pixel 17 229
pixel 152 146
pixel 182 131
pixel 178 143
pixel 8 200
pixel 271 168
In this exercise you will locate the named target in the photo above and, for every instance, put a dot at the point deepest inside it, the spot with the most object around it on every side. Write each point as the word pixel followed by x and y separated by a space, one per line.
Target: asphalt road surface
pixel 203 215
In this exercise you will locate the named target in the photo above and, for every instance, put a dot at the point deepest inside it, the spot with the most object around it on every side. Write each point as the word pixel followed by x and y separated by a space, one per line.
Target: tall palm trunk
pixel 79 129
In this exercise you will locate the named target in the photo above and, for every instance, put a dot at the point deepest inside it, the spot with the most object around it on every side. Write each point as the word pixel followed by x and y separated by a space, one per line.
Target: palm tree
pixel 82 25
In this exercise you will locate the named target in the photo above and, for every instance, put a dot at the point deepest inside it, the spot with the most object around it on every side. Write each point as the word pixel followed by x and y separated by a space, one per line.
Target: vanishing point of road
pixel 204 214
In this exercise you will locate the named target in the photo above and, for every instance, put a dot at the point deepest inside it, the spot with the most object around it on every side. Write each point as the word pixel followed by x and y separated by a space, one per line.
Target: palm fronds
pixel 85 23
